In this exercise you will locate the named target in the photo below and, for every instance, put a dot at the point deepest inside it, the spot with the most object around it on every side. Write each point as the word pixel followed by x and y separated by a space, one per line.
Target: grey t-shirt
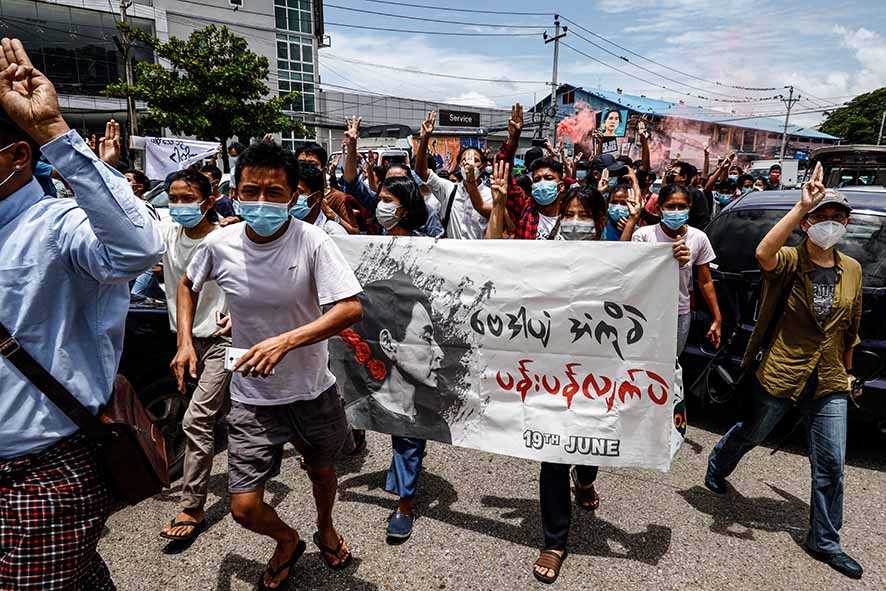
pixel 824 282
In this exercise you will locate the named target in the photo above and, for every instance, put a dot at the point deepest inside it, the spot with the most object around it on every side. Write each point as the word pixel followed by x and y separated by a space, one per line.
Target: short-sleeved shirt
pixel 546 226
pixel 802 343
pixel 700 253
pixel 465 222
pixel 180 250
pixel 271 289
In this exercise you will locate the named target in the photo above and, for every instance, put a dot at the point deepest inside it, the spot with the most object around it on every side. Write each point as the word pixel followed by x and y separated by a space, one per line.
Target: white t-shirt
pixel 328 226
pixel 179 252
pixel 465 222
pixel 271 289
pixel 700 253
pixel 546 225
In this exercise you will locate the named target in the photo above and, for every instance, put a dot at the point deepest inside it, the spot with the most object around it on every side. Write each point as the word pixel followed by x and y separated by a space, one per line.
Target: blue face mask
pixel 722 198
pixel 264 217
pixel 581 175
pixel 488 171
pixel 545 192
pixel 301 209
pixel 186 214
pixel 675 219
pixel 612 184
pixel 618 212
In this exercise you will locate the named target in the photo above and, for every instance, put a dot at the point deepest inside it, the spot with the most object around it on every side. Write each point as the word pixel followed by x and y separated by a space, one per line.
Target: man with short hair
pixel 222 204
pixel 277 275
pixel 190 200
pixel 700 212
pixel 64 268
pixel 335 201
pixel 774 180
pixel 311 206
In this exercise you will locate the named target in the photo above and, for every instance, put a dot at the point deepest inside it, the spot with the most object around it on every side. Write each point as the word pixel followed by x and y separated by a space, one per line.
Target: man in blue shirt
pixel 64 269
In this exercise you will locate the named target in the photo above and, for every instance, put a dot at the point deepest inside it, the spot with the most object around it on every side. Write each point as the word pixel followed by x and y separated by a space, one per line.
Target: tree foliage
pixel 214 88
pixel 859 121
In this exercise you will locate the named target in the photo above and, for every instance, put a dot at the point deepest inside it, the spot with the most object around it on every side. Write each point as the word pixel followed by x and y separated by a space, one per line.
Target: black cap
pixel 609 162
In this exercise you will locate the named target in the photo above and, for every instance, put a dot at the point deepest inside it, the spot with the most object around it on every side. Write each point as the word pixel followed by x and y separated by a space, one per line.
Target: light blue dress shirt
pixel 64 271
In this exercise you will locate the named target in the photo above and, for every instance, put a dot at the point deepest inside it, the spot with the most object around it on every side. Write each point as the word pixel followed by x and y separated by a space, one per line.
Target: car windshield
pixel 735 234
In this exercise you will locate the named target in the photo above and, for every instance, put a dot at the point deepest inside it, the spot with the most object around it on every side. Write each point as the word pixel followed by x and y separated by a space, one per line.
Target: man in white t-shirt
pixel 277 272
pixel 674 203
pixel 190 198
pixel 465 207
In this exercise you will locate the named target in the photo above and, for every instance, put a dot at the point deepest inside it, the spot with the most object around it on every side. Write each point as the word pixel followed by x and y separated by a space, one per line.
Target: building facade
pixel 680 131
pixel 74 41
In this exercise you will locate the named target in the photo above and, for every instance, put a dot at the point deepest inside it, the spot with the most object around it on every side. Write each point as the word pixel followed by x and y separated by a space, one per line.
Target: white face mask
pixel 15 170
pixel 826 234
pixel 386 214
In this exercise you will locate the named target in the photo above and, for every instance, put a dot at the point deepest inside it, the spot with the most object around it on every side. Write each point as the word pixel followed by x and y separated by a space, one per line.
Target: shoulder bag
pixel 129 446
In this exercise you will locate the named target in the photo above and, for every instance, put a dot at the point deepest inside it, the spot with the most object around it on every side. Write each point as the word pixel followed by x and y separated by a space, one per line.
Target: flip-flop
pixel 290 564
pixel 327 551
pixel 198 527
pixel 550 560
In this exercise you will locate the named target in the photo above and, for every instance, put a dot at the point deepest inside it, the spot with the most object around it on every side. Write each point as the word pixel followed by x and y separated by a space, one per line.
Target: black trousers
pixel 556 500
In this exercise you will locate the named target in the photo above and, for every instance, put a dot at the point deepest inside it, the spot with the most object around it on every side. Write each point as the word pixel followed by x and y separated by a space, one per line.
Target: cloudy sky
pixel 829 50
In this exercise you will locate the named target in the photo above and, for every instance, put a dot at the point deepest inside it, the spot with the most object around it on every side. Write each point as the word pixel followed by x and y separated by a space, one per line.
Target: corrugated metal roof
pixel 661 108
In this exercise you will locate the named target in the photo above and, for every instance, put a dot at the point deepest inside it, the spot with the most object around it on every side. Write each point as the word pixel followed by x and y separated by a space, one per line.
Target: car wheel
pixel 166 406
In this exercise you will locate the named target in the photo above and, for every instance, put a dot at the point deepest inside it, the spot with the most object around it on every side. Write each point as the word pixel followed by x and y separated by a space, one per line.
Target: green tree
pixel 214 90
pixel 859 121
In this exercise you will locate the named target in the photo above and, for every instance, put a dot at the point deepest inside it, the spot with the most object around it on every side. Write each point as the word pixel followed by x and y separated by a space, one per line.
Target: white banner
pixel 164 156
pixel 550 350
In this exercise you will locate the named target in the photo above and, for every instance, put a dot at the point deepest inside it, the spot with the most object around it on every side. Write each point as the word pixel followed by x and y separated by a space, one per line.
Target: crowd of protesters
pixel 67 266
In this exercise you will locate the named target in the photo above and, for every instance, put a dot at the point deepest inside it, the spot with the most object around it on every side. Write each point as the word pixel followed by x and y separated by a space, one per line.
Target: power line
pixel 654 73
pixel 434 20
pixel 590 57
pixel 688 75
pixel 433 74
pixel 452 9
pixel 418 32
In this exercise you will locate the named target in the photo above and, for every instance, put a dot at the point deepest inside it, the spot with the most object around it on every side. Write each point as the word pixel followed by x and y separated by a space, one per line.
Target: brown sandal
pixel 326 552
pixel 586 496
pixel 549 560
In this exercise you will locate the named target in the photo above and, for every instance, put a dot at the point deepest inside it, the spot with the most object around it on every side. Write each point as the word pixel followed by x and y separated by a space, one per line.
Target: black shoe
pixel 840 562
pixel 715 483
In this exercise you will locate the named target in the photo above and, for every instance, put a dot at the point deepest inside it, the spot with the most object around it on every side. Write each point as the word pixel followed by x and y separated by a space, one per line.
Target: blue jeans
pixel 405 466
pixel 825 420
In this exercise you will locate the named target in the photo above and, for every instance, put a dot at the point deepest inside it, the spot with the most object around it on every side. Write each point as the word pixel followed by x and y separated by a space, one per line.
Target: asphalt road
pixel 479 527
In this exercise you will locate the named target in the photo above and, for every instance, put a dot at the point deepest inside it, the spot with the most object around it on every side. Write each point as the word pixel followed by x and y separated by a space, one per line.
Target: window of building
pixel 294 15
pixel 74 46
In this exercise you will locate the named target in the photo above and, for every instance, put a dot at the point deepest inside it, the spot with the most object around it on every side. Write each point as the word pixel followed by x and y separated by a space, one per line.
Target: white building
pixel 74 42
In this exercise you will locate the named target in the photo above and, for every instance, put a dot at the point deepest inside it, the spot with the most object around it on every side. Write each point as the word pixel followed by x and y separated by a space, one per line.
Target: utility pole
pixel 556 39
pixel 880 135
pixel 124 43
pixel 790 101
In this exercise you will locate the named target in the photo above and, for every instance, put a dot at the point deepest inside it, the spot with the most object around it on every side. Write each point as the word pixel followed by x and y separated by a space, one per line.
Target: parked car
pixel 853 165
pixel 734 234
pixel 148 348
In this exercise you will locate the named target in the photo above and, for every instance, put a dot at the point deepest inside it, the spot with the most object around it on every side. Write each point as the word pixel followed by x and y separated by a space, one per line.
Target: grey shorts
pixel 318 429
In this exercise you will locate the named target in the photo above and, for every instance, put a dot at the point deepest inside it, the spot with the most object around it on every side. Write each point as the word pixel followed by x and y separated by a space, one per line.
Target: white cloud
pixel 473 99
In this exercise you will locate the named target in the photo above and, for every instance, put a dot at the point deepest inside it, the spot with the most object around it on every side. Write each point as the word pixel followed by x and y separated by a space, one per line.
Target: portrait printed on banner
pixel 398 369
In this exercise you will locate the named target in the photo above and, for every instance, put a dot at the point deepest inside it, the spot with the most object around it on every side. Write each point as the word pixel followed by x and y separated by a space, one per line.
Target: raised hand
pixel 603 183
pixel 681 251
pixel 427 126
pixel 109 145
pixel 372 157
pixel 352 131
pixel 550 147
pixel 814 190
pixel 499 182
pixel 634 208
pixel 515 123
pixel 27 96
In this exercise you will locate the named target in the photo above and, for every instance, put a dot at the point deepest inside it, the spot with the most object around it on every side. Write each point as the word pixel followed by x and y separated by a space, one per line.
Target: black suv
pixel 735 233
pixel 148 348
